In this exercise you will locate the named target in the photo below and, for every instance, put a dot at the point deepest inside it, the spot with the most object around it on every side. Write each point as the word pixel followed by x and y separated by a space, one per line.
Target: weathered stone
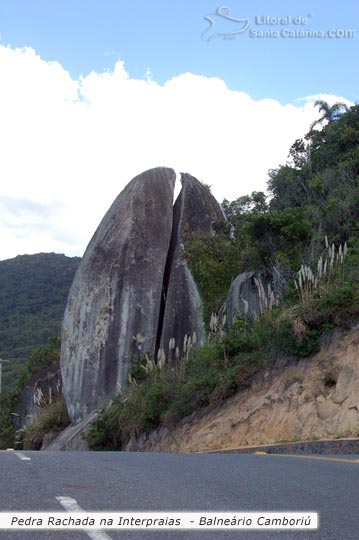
pixel 133 291
pixel 42 389
pixel 113 307
pixel 197 211
pixel 251 293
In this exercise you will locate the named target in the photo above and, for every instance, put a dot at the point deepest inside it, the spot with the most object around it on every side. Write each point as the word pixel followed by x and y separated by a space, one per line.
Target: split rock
pixel 113 306
pixel 195 210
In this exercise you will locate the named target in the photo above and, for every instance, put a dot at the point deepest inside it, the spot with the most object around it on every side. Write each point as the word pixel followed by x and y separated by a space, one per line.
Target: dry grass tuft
pixel 51 419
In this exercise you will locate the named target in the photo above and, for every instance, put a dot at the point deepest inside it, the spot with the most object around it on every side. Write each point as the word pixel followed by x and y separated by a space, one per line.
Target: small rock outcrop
pixel 251 293
pixel 71 438
pixel 133 290
pixel 42 389
pixel 195 211
pixel 113 306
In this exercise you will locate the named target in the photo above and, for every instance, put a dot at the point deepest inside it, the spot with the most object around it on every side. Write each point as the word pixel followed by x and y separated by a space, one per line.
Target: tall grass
pixel 52 418
pixel 329 271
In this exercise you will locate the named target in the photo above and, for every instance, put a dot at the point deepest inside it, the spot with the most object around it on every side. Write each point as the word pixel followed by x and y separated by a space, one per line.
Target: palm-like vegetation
pixel 330 113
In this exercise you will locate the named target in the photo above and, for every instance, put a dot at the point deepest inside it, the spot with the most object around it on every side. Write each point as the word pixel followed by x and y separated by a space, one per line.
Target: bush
pixel 340 305
pixel 7 437
pixel 167 395
pixel 52 419
pixel 38 360
pixel 214 263
pixel 7 431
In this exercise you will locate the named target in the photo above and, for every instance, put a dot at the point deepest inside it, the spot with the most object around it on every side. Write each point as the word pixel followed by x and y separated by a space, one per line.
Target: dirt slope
pixel 315 398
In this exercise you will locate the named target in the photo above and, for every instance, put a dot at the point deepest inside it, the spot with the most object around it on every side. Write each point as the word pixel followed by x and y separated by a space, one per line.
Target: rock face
pixel 133 290
pixel 251 293
pixel 318 397
pixel 197 211
pixel 113 307
pixel 43 388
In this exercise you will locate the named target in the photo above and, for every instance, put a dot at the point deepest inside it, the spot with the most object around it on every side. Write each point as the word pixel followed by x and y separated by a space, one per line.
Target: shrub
pixel 214 263
pixel 339 306
pixel 167 395
pixel 52 419
pixel 7 431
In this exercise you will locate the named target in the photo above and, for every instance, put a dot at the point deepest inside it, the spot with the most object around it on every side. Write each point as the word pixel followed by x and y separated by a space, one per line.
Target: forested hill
pixel 33 294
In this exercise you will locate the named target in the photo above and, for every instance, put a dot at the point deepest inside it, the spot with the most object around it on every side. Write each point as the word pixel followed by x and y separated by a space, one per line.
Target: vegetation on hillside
pixel 52 419
pixel 33 294
pixel 308 230
pixel 40 359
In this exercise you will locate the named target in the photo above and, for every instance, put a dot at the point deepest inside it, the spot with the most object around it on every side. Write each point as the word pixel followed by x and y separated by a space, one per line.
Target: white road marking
pixel 71 505
pixel 22 456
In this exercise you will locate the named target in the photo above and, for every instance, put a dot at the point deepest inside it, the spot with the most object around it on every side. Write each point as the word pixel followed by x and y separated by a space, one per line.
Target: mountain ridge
pixel 33 295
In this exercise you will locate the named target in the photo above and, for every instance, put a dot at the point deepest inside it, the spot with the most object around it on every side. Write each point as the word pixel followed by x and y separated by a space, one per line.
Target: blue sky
pixel 165 36
pixel 95 92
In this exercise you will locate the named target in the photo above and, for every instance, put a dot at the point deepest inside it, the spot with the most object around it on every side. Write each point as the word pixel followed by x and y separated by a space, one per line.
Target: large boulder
pixel 133 292
pixel 113 306
pixel 195 211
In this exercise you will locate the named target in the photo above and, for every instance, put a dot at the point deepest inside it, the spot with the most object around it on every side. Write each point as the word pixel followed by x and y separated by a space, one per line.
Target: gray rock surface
pixel 133 290
pixel 195 210
pixel 113 306
pixel 251 293
pixel 42 389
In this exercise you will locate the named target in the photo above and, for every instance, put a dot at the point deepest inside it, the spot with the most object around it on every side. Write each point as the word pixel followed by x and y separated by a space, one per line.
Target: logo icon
pixel 216 20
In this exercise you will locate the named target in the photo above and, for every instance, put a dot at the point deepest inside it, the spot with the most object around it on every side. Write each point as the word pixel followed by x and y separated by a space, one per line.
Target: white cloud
pixel 68 147
pixel 329 98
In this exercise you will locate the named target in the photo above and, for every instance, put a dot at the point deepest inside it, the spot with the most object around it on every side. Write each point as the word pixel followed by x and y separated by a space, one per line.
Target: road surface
pixel 116 481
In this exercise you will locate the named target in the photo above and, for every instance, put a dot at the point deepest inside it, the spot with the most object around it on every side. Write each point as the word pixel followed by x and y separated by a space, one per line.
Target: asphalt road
pixel 115 481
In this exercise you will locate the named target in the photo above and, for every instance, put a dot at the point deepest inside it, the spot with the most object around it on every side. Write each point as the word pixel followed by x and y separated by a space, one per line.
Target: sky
pixel 94 92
